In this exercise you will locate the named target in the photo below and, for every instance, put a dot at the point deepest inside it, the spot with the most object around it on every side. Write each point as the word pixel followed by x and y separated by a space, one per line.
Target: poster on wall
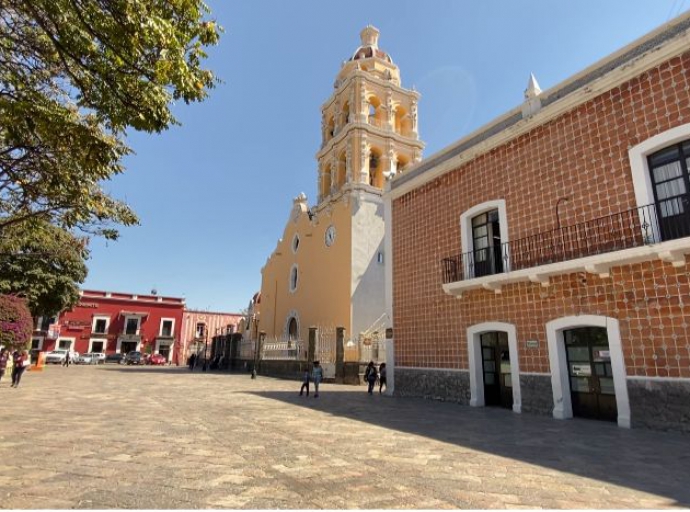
pixel 53 331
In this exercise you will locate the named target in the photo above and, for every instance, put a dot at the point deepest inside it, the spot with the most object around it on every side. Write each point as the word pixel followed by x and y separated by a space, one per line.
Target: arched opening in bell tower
pixel 375 168
pixel 345 114
pixel 326 181
pixel 403 122
pixel 342 169
pixel 401 163
pixel 376 113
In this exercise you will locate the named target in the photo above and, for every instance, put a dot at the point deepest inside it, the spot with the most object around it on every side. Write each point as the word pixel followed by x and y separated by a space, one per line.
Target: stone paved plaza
pixel 128 437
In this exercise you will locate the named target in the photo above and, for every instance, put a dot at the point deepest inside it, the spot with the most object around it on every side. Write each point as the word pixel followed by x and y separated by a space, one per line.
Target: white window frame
pixel 103 340
pixel 639 165
pixel 72 342
pixel 196 330
pixel 294 269
pixel 100 317
pixel 172 329
pixel 466 223
pixel 138 319
pixel 40 342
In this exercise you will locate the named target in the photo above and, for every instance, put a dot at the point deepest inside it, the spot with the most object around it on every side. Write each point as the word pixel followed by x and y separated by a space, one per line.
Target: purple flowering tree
pixel 16 324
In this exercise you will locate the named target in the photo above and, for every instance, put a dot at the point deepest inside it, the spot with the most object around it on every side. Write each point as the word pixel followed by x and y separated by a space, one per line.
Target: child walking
pixel 305 383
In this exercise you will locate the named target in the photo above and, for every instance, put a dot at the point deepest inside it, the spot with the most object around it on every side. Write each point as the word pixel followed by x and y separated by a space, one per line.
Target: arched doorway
pixel 293 330
pixel 494 366
pixel 587 369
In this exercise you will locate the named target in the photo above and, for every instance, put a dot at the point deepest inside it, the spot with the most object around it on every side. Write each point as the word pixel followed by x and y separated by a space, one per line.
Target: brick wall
pixel 582 155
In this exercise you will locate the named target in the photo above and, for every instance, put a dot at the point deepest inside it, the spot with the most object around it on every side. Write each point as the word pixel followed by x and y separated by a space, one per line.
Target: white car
pixel 58 356
pixel 98 357
pixel 85 359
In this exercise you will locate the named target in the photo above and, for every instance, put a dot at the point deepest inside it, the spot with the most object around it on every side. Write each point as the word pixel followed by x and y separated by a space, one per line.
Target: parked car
pixel 85 359
pixel 116 358
pixel 157 359
pixel 133 357
pixel 99 357
pixel 58 356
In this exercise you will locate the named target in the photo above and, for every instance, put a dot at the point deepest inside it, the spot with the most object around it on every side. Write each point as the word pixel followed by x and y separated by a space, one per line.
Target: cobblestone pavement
pixel 103 437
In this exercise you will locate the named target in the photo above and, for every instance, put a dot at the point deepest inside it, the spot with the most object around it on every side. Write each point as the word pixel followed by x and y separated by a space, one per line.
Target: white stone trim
pixel 138 319
pixel 72 342
pixel 672 251
pixel 639 165
pixel 456 370
pixel 100 317
pixel 160 327
pixel 474 333
pixel 286 329
pixel 118 347
pixel 388 280
pixel 536 374
pixel 103 340
pixel 467 216
pixel 562 404
pixel 659 379
pixel 40 339
pixel 157 349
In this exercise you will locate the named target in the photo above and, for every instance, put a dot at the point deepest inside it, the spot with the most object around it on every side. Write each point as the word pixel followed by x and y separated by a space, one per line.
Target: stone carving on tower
pixel 369 124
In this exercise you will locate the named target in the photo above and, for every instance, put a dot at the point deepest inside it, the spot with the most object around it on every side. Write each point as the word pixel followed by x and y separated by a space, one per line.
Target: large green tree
pixel 74 76
pixel 43 264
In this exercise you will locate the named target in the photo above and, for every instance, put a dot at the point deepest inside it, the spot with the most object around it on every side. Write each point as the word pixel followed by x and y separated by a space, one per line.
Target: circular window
pixel 293 278
pixel 295 242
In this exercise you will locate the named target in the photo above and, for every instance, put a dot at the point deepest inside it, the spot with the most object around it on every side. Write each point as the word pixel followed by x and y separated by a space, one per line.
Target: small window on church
pixel 295 243
pixel 293 278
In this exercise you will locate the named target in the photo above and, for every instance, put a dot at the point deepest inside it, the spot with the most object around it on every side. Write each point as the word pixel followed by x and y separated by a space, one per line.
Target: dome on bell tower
pixel 370 46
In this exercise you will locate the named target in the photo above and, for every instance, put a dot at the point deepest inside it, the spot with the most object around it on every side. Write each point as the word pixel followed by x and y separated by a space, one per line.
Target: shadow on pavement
pixel 653 462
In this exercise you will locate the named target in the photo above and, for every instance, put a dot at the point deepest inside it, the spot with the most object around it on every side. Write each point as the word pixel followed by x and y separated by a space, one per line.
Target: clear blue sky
pixel 214 194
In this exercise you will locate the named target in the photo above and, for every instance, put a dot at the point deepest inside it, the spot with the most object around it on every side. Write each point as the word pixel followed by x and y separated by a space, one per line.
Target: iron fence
pixel 632 228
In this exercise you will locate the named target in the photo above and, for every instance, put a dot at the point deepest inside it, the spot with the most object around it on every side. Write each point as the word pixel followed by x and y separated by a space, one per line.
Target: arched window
pixel 293 278
pixel 293 330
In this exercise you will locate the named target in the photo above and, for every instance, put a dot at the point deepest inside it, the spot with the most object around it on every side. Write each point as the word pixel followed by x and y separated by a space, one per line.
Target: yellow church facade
pixel 328 269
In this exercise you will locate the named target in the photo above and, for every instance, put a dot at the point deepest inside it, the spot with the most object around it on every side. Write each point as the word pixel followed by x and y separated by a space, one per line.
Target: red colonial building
pixel 113 322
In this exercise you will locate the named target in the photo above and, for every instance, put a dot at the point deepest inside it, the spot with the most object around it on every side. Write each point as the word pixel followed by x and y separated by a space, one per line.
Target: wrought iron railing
pixel 636 227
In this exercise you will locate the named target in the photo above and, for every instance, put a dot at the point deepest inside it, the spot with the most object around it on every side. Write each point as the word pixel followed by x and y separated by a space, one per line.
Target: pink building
pixel 201 326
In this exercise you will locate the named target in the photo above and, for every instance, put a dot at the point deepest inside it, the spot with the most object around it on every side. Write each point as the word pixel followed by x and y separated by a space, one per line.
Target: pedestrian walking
pixel 4 357
pixel 305 382
pixel 191 361
pixel 382 377
pixel 20 361
pixel 317 377
pixel 370 376
pixel 67 360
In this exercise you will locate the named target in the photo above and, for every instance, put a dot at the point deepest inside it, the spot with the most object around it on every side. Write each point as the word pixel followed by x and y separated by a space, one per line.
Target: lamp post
pixel 205 348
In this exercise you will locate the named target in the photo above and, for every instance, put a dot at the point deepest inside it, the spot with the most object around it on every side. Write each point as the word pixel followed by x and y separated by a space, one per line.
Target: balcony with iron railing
pixel 659 230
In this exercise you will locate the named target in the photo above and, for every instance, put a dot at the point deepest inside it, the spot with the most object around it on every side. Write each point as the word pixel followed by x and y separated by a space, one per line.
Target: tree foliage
pixel 16 324
pixel 44 264
pixel 74 76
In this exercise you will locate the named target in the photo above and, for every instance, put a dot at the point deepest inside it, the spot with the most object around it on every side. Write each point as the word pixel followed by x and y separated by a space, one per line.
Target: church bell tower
pixel 369 124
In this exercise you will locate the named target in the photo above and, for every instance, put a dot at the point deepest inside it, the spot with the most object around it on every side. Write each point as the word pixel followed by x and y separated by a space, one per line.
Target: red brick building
pixel 115 322
pixel 539 263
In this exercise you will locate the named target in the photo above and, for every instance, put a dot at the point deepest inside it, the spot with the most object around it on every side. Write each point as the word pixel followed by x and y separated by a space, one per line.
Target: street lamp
pixel 205 348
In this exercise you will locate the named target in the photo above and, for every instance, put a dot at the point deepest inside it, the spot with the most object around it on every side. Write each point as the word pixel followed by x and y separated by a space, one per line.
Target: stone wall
pixel 660 404
pixel 537 394
pixel 452 386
